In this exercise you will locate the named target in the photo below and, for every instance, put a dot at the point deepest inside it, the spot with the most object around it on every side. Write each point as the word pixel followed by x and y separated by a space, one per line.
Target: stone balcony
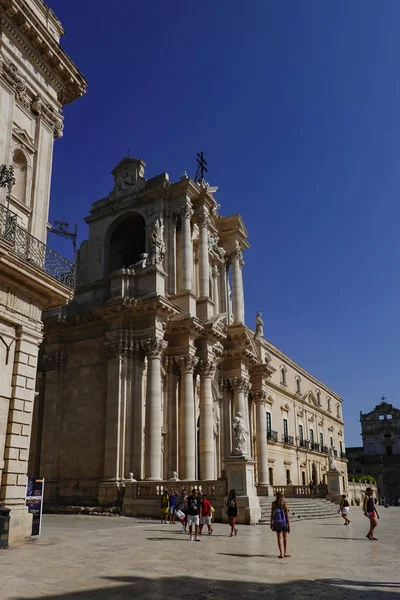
pixel 32 265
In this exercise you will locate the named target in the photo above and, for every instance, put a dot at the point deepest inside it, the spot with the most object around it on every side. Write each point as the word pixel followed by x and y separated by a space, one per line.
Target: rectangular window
pixel 341 447
pixel 312 436
pixel 298 388
pixel 288 480
pixel 321 439
pixel 331 442
pixel 271 476
pixel 389 451
pixel 301 438
pixel 303 478
pixel 285 428
pixel 269 423
pixel 283 379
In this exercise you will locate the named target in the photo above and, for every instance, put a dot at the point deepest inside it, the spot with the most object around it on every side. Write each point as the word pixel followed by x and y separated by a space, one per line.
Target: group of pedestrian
pixel 192 511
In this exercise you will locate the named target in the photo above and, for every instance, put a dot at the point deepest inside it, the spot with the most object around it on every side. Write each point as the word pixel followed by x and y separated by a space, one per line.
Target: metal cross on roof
pixel 201 168
pixel 383 398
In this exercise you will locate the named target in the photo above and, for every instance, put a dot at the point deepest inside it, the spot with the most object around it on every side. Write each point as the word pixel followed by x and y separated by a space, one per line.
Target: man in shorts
pixel 205 518
pixel 193 515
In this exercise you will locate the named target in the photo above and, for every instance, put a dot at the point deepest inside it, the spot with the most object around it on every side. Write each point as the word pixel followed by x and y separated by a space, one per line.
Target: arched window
pixel 329 404
pixel 298 385
pixel 283 376
pixel 319 397
pixel 20 173
pixel 127 242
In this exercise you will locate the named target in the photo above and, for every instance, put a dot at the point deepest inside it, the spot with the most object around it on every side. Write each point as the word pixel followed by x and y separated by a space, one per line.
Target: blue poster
pixel 34 502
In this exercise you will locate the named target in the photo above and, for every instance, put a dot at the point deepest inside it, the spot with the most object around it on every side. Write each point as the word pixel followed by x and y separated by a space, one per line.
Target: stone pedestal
pixel 335 487
pixel 240 475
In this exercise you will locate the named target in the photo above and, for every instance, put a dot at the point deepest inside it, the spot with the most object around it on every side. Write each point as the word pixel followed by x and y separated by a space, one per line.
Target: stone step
pixel 301 509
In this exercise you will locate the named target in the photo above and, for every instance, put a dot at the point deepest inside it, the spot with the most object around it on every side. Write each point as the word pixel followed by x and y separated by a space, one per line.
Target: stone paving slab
pixel 80 558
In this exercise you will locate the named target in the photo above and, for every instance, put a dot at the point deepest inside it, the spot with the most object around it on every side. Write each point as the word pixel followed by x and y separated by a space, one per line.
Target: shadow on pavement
pixel 192 588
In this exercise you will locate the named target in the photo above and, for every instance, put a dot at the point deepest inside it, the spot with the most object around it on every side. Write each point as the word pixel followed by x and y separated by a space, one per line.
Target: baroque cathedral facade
pixel 142 373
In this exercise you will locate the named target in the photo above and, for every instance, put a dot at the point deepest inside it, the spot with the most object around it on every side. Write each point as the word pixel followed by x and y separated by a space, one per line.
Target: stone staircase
pixel 300 509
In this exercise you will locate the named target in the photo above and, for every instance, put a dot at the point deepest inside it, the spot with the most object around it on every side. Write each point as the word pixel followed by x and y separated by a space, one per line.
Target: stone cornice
pixel 27 30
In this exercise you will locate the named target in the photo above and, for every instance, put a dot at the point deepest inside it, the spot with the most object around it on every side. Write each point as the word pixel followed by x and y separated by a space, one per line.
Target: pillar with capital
pixel 187 247
pixel 187 425
pixel 204 267
pixel 154 347
pixel 237 283
pixel 172 417
pixel 207 370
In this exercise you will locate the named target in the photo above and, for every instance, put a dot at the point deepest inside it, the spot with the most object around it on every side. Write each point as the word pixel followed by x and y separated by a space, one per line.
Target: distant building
pixel 380 454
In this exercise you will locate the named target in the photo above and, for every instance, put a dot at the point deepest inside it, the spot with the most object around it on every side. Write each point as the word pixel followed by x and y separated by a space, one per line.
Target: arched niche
pixel 20 164
pixel 126 242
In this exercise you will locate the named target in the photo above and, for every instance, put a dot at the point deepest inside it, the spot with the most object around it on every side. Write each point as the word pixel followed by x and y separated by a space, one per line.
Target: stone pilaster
pixel 171 253
pixel 215 276
pixel 261 436
pixel 226 416
pixel 154 348
pixel 187 425
pixel 16 454
pixel 207 370
pixel 237 284
pixel 187 247
pixel 204 267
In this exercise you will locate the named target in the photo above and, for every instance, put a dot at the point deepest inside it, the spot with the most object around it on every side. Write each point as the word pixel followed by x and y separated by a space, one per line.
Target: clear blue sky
pixel 297 108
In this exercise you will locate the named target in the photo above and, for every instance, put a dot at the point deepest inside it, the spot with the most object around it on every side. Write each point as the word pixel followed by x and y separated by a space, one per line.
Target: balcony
pixel 303 443
pixel 272 436
pixel 288 440
pixel 34 252
pixel 343 455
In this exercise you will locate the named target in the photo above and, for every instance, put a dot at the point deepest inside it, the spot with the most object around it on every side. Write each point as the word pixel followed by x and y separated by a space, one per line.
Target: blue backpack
pixel 280 517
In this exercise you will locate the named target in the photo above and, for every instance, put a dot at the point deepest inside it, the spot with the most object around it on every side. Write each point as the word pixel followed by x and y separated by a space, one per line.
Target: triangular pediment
pixel 23 137
pixel 311 398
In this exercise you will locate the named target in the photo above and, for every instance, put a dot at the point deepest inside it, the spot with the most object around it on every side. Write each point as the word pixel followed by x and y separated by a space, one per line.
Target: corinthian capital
pixel 203 218
pixel 187 211
pixel 207 368
pixel 237 254
pixel 241 384
pixel 259 397
pixel 186 362
pixel 154 347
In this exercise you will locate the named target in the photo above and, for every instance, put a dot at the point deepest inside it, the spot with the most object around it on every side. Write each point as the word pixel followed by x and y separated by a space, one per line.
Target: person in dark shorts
pixel 370 512
pixel 280 523
pixel 233 511
pixel 345 509
pixel 193 515
pixel 173 497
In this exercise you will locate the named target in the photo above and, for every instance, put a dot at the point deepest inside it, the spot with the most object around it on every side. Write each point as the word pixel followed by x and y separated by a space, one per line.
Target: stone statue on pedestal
pixel 157 242
pixel 259 327
pixel 240 432
pixel 174 476
pixel 331 460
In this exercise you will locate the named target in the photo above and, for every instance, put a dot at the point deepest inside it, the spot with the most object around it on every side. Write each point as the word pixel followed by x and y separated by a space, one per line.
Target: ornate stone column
pixel 261 432
pixel 215 275
pixel 241 388
pixel 237 284
pixel 172 417
pixel 187 246
pixel 204 267
pixel 207 370
pixel 226 416
pixel 187 425
pixel 171 257
pixel 154 348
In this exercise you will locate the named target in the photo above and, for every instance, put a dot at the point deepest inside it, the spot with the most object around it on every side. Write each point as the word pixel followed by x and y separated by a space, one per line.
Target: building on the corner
pixel 36 79
pixel 379 455
pixel 143 372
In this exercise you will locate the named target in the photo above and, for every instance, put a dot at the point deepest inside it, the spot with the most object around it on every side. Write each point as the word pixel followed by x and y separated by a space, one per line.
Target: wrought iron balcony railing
pixel 34 252
pixel 272 435
pixel 303 443
pixel 287 439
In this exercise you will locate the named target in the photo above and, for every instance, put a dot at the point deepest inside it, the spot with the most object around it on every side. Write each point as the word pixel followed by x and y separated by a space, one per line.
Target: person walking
pixel 205 515
pixel 312 488
pixel 233 511
pixel 173 497
pixel 345 509
pixel 164 506
pixel 370 512
pixel 194 514
pixel 181 509
pixel 280 523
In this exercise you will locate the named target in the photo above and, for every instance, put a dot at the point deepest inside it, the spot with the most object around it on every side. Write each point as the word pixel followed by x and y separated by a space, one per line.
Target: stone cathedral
pixel 142 374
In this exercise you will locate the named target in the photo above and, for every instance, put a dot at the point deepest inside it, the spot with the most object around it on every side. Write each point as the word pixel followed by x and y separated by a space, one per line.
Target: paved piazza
pixel 119 558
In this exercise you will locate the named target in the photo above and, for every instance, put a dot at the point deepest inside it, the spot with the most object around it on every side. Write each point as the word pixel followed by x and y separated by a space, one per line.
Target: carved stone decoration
pixel 12 75
pixel 300 413
pixel 187 362
pixel 237 254
pixel 260 397
pixel 203 218
pixel 240 432
pixel 241 384
pixel 216 419
pixel 157 242
pixel 331 460
pixel 54 360
pixel 207 368
pixel 259 333
pixel 153 347
pixel 213 240
pixel 122 346
pixel 187 211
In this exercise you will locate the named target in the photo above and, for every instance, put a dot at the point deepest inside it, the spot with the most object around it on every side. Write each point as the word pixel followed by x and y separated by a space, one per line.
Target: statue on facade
pixel 174 476
pixel 331 460
pixel 157 244
pixel 259 327
pixel 240 432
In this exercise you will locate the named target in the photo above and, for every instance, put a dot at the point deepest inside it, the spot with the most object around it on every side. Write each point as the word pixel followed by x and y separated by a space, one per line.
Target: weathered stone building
pixel 36 79
pixel 145 370
pixel 379 455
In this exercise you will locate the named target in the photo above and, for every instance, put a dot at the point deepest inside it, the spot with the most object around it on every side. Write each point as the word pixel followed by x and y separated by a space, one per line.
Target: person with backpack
pixel 280 523
pixel 233 511
pixel 344 509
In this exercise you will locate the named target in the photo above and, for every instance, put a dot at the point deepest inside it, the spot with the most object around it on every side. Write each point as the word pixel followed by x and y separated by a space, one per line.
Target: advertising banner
pixel 34 502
